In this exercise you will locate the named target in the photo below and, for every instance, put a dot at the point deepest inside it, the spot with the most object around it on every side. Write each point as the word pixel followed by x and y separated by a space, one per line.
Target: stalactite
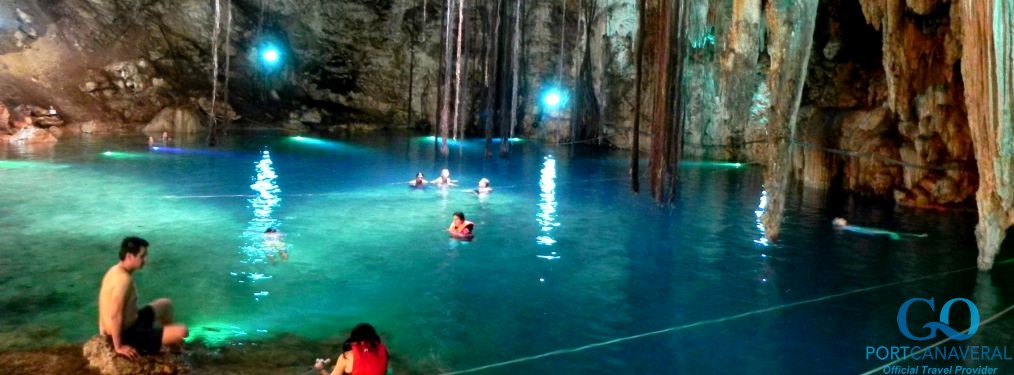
pixel 987 52
pixel 445 109
pixel 214 71
pixel 635 135
pixel 791 24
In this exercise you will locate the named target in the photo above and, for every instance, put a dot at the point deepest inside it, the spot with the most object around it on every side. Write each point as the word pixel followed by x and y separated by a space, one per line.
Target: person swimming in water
pixel 419 181
pixel 842 224
pixel 444 179
pixel 484 187
pixel 273 241
pixel 460 228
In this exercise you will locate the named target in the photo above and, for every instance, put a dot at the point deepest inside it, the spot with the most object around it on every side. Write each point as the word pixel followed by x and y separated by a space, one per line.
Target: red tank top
pixel 369 361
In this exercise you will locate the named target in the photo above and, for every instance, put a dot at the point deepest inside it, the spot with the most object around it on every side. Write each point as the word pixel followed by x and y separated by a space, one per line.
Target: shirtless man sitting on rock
pixel 132 330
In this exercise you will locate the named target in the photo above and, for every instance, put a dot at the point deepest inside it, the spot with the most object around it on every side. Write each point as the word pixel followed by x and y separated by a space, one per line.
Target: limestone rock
pixel 100 356
pixel 92 127
pixel 55 131
pixel 221 109
pixel 311 116
pixel 32 135
pixel 175 119
pixel 5 118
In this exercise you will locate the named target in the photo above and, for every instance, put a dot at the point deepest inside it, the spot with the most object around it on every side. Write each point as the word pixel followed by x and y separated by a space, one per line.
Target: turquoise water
pixel 564 256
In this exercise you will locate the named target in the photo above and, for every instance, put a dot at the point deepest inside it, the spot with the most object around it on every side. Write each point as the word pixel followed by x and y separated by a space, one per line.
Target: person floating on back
pixel 362 354
pixel 460 228
pixel 842 224
pixel 444 179
pixel 419 181
pixel 134 331
pixel 484 187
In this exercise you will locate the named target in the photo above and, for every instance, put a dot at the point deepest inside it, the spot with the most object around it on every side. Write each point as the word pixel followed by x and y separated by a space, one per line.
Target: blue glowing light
pixel 270 55
pixel 554 98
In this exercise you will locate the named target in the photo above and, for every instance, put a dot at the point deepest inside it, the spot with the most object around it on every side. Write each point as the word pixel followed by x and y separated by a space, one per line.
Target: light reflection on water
pixel 260 247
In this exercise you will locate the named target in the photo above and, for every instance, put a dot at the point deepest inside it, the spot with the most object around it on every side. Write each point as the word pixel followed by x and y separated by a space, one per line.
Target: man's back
pixel 117 282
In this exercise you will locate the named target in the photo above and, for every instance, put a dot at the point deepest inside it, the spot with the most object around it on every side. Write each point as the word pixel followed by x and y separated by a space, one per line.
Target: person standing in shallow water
pixel 134 331
pixel 362 354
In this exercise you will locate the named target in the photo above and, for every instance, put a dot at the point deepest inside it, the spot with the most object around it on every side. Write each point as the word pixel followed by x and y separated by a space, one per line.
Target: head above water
pixel 271 230
pixel 459 216
pixel 445 173
pixel 839 222
pixel 484 183
pixel 132 245
pixel 419 176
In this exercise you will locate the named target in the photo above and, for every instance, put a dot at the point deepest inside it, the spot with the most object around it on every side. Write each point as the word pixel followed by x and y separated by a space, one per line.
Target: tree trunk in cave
pixel 791 25
pixel 635 152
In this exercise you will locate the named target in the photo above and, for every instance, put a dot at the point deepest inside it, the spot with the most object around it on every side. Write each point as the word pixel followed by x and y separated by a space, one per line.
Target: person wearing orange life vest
pixel 362 354
pixel 460 228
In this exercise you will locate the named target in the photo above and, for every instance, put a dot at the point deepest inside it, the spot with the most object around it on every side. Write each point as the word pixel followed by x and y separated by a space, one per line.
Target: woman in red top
pixel 362 354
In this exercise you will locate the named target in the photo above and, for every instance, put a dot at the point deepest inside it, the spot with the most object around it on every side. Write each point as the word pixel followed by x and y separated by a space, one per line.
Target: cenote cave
pixel 506 186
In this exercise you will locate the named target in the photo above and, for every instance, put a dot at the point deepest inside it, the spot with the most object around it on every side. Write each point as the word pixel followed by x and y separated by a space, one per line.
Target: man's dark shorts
pixel 143 336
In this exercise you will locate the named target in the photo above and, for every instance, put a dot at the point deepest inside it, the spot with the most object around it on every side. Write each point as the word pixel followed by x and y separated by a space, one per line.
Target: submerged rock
pixel 100 356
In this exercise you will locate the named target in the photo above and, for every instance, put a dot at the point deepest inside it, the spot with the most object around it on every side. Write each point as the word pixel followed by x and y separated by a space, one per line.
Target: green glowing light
pixel 711 164
pixel 432 138
pixel 17 164
pixel 123 155
pixel 215 334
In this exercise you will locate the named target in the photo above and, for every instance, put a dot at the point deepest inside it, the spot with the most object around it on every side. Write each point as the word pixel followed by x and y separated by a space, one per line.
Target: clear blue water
pixel 362 246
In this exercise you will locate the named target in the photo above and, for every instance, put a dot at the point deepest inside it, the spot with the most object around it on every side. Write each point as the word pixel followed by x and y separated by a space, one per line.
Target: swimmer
pixel 151 142
pixel 460 228
pixel 842 224
pixel 273 241
pixel 419 181
pixel 445 179
pixel 484 187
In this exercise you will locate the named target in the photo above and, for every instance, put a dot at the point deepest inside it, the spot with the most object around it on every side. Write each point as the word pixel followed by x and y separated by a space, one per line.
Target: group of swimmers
pixel 460 228
pixel 445 181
